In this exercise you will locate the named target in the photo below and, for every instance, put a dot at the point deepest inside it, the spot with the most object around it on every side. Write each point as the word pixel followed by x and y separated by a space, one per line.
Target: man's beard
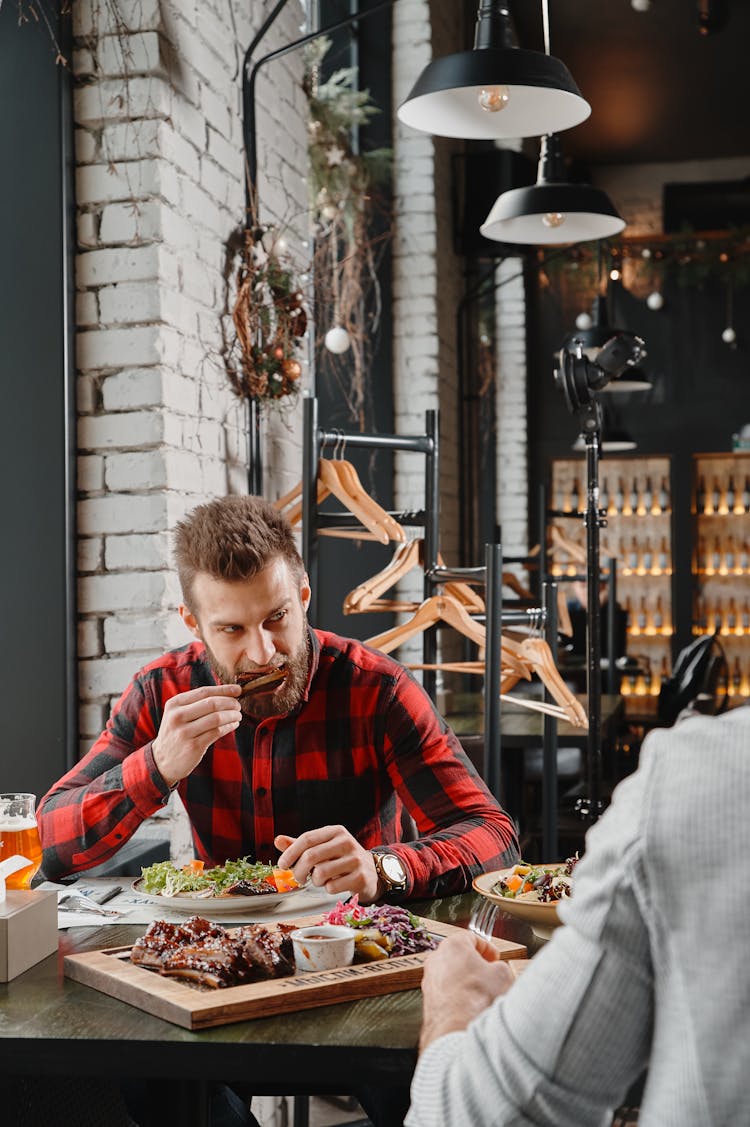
pixel 279 701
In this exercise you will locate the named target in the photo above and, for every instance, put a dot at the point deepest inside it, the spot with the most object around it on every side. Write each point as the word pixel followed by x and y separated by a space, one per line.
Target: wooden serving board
pixel 111 971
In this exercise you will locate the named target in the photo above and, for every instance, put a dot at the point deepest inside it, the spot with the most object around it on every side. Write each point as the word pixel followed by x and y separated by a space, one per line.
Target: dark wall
pixel 37 667
pixel 345 563
pixel 700 397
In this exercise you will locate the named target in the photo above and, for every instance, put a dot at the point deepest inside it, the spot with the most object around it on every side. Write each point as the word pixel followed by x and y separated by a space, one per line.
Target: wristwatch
pixel 391 871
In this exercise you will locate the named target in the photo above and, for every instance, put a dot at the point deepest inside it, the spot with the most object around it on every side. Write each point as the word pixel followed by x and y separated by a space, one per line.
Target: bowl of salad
pixel 530 892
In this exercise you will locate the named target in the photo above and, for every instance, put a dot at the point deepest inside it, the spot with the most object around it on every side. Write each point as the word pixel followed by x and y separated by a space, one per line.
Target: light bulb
pixel 729 336
pixel 583 321
pixel 337 339
pixel 615 275
pixel 492 99
pixel 655 300
pixel 554 218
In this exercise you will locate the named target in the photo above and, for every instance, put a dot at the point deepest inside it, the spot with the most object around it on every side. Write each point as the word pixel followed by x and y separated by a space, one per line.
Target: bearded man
pixel 336 759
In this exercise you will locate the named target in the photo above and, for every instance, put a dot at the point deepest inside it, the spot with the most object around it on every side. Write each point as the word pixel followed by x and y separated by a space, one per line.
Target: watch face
pixel 393 868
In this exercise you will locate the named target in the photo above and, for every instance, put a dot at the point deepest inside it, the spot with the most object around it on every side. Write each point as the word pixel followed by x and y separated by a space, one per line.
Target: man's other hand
pixel 333 860
pixel 191 722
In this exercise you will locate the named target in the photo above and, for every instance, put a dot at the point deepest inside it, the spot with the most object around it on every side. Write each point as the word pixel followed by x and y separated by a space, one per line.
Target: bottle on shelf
pixel 604 496
pixel 715 496
pixel 745 617
pixel 730 618
pixel 647 503
pixel 663 500
pixel 718 618
pixel 664 670
pixel 700 554
pixel 575 497
pixel 657 617
pixel 632 503
pixel 663 566
pixel 746 497
pixel 699 620
pixel 633 556
pixel 714 560
pixel 700 496
pixel 730 495
pixel 736 678
pixel 642 617
pixel 743 558
pixel 619 498
pixel 646 561
pixel 730 555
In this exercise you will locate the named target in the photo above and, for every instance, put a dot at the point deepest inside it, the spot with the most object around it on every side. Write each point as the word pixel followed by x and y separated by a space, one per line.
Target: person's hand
pixel 461 978
pixel 191 722
pixel 333 860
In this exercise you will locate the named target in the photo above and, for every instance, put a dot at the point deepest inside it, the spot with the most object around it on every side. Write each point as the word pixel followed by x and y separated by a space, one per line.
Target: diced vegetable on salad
pixel 383 930
pixel 542 884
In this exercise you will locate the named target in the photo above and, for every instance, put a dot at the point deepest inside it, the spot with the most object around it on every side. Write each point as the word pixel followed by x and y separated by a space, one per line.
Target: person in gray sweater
pixel 649 972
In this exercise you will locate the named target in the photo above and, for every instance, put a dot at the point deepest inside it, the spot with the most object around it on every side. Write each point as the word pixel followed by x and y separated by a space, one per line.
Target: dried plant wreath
pixel 269 319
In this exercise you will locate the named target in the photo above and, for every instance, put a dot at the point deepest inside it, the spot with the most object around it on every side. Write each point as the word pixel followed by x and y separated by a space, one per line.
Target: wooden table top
pixel 50 1025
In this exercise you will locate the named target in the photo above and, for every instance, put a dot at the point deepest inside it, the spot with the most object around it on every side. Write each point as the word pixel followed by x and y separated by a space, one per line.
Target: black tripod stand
pixel 579 378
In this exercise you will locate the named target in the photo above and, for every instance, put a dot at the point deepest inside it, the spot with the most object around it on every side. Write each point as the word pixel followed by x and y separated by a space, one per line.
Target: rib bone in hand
pixel 253 683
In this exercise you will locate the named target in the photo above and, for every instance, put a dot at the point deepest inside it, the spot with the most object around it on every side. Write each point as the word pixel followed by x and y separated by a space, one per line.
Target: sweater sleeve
pixel 563 1046
pixel 463 830
pixel 100 803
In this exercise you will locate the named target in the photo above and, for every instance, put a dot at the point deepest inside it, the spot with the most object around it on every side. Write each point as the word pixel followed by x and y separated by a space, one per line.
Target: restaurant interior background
pixel 121 219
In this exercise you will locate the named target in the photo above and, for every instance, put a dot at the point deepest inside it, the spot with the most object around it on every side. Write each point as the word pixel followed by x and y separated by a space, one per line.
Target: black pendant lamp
pixel 553 210
pixel 496 89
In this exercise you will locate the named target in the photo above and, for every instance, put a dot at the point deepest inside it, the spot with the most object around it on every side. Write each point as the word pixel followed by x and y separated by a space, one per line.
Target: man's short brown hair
pixel 233 538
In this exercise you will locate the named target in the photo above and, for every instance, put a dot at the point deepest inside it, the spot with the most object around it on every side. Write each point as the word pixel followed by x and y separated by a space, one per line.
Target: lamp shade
pixel 538 91
pixel 495 90
pixel 553 210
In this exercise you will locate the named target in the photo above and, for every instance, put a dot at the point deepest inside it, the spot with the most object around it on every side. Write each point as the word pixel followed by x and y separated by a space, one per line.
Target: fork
pixel 483 919
pixel 82 904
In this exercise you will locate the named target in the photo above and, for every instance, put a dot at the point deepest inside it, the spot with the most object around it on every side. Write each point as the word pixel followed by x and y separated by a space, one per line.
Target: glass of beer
pixel 19 834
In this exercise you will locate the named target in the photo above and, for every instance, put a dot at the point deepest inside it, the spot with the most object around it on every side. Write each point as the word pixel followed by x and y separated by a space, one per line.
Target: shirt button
pixel 260 792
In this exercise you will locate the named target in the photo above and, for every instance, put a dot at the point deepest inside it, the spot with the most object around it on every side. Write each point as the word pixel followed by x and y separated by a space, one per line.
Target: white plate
pixel 221 905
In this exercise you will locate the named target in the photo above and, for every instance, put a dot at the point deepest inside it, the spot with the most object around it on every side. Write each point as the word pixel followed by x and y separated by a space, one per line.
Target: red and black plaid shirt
pixel 365 749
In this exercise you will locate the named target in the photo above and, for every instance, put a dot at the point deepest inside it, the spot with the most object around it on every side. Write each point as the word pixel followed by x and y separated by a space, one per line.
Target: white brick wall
pixel 160 187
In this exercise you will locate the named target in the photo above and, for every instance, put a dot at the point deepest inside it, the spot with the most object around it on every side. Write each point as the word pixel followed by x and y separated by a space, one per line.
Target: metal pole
pixel 549 744
pixel 494 609
pixel 589 807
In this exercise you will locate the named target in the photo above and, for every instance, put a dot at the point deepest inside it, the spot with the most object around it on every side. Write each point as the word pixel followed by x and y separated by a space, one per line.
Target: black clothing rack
pixel 315 441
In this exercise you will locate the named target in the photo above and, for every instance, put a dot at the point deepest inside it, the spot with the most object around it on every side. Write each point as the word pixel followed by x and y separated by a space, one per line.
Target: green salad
pixel 165 879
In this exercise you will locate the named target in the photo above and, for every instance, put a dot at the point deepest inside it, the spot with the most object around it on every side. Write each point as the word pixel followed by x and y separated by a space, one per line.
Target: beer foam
pixel 10 824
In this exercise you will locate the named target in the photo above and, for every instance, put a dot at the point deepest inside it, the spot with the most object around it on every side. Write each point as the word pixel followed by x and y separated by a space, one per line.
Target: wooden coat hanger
pixel 513 583
pixel 538 657
pixel 438 608
pixel 559 540
pixel 362 598
pixel 366 597
pixel 291 503
pixel 341 479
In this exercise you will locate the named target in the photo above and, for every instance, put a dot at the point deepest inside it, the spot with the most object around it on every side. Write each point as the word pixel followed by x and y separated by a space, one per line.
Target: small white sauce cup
pixel 323 946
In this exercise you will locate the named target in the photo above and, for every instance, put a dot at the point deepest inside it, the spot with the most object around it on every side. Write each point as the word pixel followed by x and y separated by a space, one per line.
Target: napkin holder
pixel 28 930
